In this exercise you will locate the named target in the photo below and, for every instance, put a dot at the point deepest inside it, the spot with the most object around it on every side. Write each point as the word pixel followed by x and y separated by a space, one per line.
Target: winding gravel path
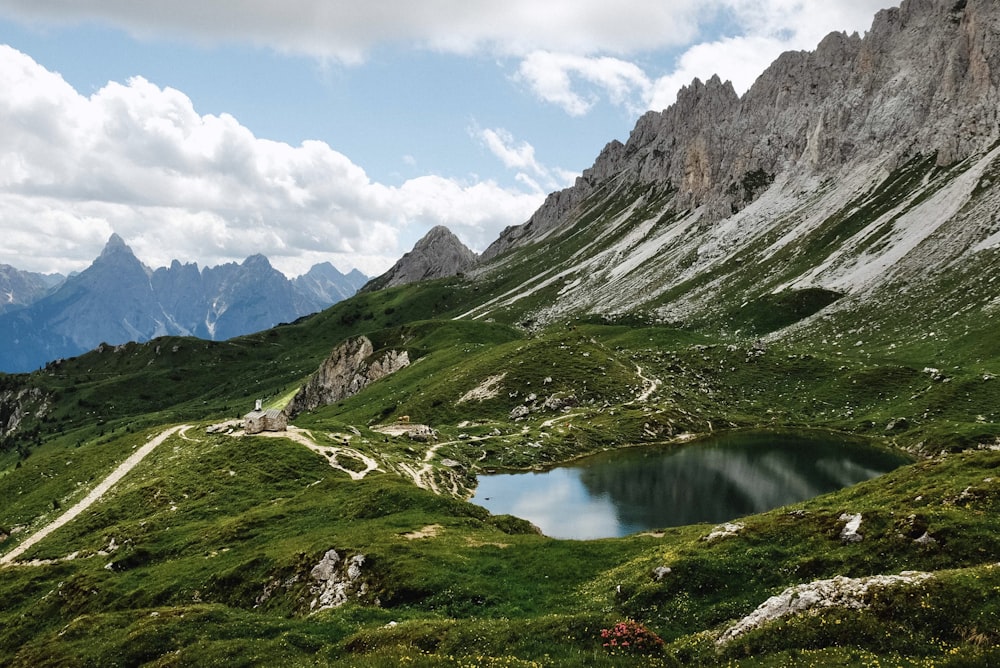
pixel 304 437
pixel 94 495
pixel 650 386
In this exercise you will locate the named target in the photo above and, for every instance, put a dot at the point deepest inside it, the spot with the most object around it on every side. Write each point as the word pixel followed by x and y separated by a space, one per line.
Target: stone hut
pixel 259 420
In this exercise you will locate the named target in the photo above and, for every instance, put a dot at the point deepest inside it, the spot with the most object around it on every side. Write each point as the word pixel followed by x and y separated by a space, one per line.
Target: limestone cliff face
pixel 438 254
pixel 350 368
pixel 924 80
pixel 868 168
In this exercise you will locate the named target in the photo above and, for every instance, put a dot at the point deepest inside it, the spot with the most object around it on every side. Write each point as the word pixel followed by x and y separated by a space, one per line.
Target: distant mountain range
pixel 21 288
pixel 118 299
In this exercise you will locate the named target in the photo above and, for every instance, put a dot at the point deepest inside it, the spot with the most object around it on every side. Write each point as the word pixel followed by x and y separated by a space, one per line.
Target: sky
pixel 335 130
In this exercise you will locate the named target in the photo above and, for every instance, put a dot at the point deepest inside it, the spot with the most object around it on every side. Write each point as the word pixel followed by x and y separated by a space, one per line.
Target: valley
pixel 818 256
pixel 215 537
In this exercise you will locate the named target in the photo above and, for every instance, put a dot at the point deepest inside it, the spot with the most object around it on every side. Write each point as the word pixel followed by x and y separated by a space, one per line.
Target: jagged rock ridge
pixel 924 80
pixel 328 285
pixel 859 168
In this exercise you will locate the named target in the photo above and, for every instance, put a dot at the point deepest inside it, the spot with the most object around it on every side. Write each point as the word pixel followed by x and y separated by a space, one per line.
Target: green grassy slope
pixel 213 540
pixel 214 537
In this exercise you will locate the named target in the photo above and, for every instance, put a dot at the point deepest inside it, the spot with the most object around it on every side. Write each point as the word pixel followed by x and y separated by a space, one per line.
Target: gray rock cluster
pixel 422 433
pixel 553 403
pixel 335 581
pixel 837 592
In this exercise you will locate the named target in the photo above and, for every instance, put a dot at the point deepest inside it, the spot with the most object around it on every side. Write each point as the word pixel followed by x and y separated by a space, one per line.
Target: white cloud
pixel 514 156
pixel 520 157
pixel 346 31
pixel 139 160
pixel 552 76
pixel 564 45
pixel 577 82
pixel 768 28
pixel 476 212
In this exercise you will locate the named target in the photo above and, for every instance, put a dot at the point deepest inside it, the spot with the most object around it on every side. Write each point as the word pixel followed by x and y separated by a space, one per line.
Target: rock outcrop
pixel 335 581
pixel 811 597
pixel 17 404
pixel 350 368
pixel 852 523
pixel 439 254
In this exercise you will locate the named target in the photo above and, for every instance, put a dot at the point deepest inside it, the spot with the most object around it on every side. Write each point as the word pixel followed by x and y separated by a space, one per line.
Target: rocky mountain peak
pixel 327 284
pixel 855 169
pixel 438 254
pixel 116 246
pixel 257 262
pixel 925 80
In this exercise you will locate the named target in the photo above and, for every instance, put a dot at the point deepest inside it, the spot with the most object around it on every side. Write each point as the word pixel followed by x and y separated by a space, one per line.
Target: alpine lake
pixel 713 480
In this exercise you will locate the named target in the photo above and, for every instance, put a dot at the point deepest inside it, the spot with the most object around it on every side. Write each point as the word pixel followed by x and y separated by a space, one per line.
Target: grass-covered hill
pixel 207 551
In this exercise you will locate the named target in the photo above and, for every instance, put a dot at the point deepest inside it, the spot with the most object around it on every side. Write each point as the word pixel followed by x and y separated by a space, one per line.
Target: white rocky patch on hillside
pixel 487 389
pixel 813 597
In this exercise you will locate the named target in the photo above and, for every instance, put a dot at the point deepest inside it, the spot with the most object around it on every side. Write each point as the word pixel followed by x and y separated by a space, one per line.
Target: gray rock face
pixel 350 368
pixel 438 254
pixel 924 80
pixel 862 169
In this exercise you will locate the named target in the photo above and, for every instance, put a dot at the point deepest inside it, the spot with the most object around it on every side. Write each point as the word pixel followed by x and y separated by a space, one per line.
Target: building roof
pixel 271 414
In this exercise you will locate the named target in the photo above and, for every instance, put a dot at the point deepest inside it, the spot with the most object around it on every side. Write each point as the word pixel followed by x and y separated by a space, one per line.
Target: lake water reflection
pixel 731 475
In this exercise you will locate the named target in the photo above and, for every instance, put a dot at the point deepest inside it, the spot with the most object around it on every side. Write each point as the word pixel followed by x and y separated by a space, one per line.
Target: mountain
pixel 861 174
pixel 111 301
pixel 438 254
pixel 118 299
pixel 21 288
pixel 328 285
pixel 250 297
